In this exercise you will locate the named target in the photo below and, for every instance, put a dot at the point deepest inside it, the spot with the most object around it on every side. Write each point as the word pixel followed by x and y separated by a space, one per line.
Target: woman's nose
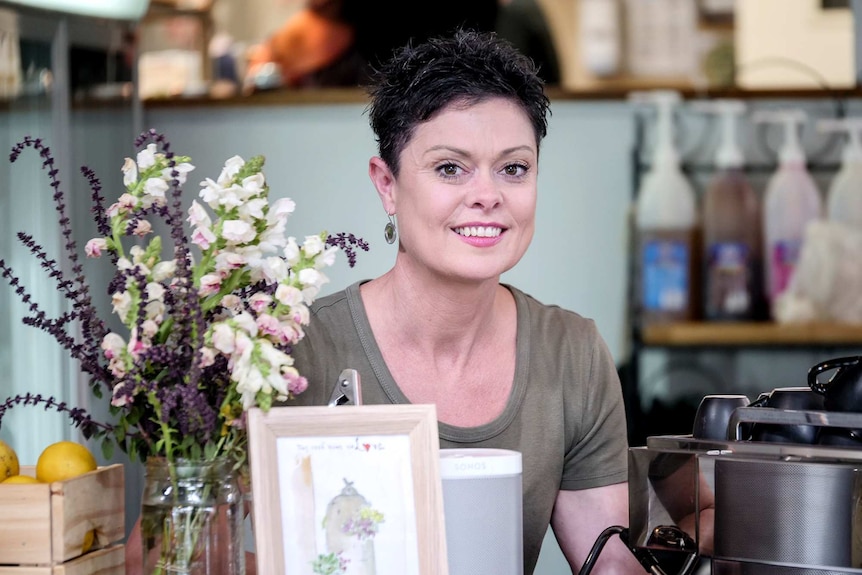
pixel 484 191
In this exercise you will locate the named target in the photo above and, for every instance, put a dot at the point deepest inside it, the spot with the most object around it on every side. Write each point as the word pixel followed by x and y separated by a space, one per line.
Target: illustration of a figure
pixel 350 524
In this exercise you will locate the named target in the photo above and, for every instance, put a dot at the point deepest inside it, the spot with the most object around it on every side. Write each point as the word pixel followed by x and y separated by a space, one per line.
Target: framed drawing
pixel 348 490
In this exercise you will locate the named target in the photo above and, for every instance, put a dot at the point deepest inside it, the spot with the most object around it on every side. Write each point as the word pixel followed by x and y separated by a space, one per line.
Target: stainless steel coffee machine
pixel 779 493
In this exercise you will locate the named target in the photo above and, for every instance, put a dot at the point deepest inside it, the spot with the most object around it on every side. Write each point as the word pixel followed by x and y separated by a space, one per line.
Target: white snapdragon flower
pixel 164 270
pixel 272 240
pixel 231 197
pixel 238 231
pixel 231 168
pixel 288 295
pixel 149 328
pixel 223 338
pixel 208 357
pixel 147 157
pixel 210 193
pixel 313 245
pixel 122 303
pixel 198 216
pixel 137 253
pixel 292 251
pixel 130 172
pixel 182 169
pixel 155 310
pixel 327 258
pixel 155 188
pixel 155 291
pixel 274 270
pixel 245 322
pixel 253 208
pixel 310 277
pixel 253 185
pixel 249 383
pixel 280 209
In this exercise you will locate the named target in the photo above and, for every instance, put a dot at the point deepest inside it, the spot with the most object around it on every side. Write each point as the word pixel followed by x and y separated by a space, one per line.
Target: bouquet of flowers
pixel 210 320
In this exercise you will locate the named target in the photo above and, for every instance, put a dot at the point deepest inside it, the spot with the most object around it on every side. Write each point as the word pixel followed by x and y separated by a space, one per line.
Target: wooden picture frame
pixel 347 484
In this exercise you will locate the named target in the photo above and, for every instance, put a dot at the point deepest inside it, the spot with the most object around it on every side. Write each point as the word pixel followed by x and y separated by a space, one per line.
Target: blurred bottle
pixel 844 197
pixel 666 226
pixel 600 36
pixel 731 227
pixel 791 201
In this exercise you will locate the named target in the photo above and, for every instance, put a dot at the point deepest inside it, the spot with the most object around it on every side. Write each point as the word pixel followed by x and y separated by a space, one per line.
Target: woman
pixel 459 121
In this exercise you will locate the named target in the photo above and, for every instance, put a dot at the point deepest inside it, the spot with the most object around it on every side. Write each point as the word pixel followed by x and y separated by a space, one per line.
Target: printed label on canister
pixel 728 270
pixel 665 275
pixel 785 254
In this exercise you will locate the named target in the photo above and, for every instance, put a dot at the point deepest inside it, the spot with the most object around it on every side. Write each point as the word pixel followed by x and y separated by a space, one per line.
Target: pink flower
pixel 259 302
pixel 296 383
pixel 143 228
pixel 94 247
pixel 203 237
pixel 210 284
pixel 268 325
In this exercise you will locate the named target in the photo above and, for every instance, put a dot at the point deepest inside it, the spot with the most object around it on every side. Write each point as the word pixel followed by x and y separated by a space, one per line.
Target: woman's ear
pixel 384 181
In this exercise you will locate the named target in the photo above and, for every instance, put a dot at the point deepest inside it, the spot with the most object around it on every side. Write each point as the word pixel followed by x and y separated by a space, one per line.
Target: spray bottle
pixel 791 201
pixel 731 219
pixel 666 226
pixel 844 197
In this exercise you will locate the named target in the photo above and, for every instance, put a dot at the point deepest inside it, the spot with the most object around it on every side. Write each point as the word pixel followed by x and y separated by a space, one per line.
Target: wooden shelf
pixel 751 334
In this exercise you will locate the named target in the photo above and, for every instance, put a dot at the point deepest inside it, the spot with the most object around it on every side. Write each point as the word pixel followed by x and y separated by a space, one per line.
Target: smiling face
pixel 465 194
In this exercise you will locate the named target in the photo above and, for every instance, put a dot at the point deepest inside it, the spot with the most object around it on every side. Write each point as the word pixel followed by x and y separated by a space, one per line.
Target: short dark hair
pixel 468 66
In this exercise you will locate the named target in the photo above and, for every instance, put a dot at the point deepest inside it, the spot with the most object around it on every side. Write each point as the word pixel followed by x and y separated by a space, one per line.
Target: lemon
pixel 89 539
pixel 64 460
pixel 20 479
pixel 8 461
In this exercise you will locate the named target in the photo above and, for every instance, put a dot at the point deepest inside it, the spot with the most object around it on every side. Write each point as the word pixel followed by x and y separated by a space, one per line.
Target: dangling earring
pixel 389 232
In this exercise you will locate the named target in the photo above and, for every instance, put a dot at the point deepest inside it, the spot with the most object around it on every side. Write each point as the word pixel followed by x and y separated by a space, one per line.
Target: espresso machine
pixel 765 487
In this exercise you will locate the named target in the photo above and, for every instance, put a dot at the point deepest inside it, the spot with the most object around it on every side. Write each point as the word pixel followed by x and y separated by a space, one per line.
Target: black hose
pixel 644 556
pixel 596 550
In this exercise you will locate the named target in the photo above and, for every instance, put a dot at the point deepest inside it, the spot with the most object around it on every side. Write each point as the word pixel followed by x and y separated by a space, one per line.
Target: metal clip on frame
pixel 347 389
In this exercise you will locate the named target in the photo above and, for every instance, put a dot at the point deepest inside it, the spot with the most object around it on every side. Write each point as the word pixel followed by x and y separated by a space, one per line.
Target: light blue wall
pixel 318 155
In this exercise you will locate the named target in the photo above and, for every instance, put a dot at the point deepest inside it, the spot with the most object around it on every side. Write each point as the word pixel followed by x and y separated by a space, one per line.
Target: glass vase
pixel 192 518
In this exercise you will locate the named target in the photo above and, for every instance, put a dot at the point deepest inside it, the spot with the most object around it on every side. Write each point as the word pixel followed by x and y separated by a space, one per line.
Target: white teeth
pixel 478 231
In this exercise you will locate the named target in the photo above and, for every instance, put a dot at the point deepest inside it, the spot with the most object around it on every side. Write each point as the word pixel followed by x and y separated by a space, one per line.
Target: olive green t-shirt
pixel 565 413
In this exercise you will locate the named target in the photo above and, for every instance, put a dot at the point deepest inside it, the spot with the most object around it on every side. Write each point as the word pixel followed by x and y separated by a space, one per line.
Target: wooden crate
pixel 108 561
pixel 43 525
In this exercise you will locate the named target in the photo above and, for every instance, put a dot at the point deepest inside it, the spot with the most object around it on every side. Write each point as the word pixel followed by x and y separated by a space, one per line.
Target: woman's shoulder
pixel 540 312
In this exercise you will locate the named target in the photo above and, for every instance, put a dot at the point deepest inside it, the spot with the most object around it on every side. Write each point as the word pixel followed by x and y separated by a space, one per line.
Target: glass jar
pixel 192 518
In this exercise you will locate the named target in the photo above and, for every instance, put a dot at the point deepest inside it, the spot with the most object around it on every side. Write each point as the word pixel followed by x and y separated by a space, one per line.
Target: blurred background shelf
pixel 751 334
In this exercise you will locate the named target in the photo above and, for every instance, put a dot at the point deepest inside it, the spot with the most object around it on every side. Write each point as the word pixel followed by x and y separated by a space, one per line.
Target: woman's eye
pixel 515 170
pixel 449 170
